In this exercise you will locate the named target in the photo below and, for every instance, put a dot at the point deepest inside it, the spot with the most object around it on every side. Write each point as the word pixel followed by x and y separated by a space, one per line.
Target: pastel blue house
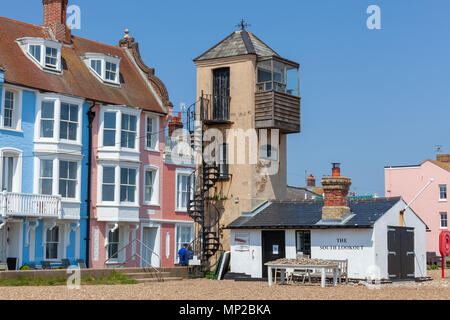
pixel 43 200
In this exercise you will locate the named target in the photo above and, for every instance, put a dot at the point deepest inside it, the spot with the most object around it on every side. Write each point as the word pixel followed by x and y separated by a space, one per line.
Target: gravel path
pixel 225 290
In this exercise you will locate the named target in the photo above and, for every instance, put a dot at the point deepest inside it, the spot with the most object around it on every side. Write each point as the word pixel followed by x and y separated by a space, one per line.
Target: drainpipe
pixel 402 212
pixel 91 116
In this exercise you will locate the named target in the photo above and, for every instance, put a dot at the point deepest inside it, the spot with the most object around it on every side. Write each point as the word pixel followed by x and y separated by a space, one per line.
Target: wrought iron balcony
pixel 30 205
pixel 215 109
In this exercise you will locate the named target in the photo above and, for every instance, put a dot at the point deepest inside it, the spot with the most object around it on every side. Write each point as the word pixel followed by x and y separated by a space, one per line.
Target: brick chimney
pixel 175 124
pixel 335 190
pixel 443 157
pixel 55 15
pixel 311 181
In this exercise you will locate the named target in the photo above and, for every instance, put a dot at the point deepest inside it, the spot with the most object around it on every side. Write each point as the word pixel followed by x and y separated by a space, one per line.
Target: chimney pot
pixel 311 181
pixel 443 157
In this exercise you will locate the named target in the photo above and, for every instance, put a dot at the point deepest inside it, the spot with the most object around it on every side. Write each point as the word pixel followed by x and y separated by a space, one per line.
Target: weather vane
pixel 243 25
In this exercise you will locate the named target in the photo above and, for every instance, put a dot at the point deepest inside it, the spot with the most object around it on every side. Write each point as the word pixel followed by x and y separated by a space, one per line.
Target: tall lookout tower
pixel 250 94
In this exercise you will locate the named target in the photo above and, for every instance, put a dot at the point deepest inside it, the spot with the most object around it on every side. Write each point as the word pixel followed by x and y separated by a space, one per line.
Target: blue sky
pixel 370 98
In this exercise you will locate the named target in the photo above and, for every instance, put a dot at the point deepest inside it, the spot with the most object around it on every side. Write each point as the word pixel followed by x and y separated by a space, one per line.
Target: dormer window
pixel 45 53
pixel 51 57
pixel 104 67
pixel 96 65
pixel 111 71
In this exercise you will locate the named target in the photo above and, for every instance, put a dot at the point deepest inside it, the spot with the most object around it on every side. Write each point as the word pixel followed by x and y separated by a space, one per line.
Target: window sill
pixel 178 210
pixel 443 200
pixel 70 201
pixel 118 205
pixel 151 204
pixel 11 129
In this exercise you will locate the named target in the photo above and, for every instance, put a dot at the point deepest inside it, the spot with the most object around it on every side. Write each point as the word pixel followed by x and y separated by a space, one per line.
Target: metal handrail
pixel 116 255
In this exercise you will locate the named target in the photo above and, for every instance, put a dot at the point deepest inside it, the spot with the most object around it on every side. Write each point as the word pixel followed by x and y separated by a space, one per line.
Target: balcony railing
pixel 215 108
pixel 30 205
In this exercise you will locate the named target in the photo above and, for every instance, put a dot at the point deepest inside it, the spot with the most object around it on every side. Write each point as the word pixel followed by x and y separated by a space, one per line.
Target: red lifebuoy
pixel 444 241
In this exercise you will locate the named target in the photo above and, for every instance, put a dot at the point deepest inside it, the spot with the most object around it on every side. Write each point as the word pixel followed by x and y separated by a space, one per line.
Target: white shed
pixel 369 237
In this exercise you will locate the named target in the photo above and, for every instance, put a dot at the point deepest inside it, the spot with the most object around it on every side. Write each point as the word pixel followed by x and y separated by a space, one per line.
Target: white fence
pixel 29 205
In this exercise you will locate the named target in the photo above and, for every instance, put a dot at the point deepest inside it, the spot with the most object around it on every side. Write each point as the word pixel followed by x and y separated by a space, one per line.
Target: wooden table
pixel 283 268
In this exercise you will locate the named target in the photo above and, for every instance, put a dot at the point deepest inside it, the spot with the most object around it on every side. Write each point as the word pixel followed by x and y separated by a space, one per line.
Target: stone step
pixel 147 280
pixel 140 275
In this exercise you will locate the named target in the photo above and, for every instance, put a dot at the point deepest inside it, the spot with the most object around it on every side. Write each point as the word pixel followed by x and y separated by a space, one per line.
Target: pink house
pixel 132 217
pixel 432 206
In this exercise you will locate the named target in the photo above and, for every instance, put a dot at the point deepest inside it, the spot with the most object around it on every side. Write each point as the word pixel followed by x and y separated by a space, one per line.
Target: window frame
pixel 59 242
pixel 443 192
pixel 187 173
pixel 118 131
pixel 56 163
pixel 154 135
pixel 155 197
pixel 16 121
pixel 297 232
pixel 17 174
pixel 58 101
pixel 68 179
pixel 117 243
pixel 128 185
pixel 442 219
pixel 177 248
pixel 117 183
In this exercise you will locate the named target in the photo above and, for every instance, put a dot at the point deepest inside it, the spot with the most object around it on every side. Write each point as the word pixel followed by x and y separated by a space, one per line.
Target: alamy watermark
pixel 74 17
pixel 374 20
pixel 232 146
pixel 74 280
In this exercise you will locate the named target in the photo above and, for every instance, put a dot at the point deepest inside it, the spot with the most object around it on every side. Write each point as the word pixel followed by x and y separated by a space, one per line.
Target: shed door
pixel 401 254
pixel 274 247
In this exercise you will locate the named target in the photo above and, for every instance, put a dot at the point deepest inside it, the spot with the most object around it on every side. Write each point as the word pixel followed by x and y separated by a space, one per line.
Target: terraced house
pixel 44 92
pixel 82 150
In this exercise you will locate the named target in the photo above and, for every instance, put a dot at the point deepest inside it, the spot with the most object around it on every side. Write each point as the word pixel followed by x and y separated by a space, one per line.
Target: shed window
pixel 304 243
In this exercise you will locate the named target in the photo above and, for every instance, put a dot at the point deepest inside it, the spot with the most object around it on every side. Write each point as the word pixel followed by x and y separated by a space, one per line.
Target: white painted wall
pixel 356 245
pixel 366 249
pixel 247 261
pixel 391 218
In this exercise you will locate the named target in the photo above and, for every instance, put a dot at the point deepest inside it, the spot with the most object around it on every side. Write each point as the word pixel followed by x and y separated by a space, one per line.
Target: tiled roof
pixel 308 214
pixel 76 79
pixel 238 43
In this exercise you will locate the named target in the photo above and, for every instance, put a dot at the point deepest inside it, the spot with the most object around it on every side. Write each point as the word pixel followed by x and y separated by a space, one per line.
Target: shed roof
pixel 308 214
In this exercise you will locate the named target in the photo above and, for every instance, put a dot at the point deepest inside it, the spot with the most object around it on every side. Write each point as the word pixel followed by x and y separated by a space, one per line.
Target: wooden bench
pixel 342 273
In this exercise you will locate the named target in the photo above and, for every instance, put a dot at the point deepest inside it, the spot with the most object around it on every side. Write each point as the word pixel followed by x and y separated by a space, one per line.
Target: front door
pixel 401 255
pixel 14 243
pixel 221 94
pixel 149 254
pixel 3 245
pixel 274 247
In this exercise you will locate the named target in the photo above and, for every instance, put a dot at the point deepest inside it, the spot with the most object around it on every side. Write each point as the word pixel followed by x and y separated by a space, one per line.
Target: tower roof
pixel 238 43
